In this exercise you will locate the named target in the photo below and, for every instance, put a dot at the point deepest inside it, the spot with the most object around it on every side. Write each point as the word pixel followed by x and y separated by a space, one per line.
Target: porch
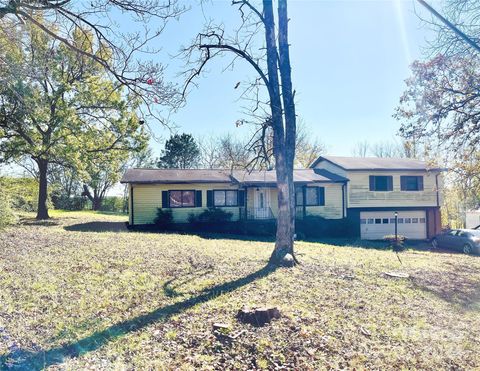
pixel 261 204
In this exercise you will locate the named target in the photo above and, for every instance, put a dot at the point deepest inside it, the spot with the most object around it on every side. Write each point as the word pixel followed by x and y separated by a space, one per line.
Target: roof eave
pixel 176 182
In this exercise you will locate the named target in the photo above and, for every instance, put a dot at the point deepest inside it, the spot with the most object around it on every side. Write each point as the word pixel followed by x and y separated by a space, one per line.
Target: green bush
pixel 7 216
pixel 258 228
pixel 75 203
pixel 397 244
pixel 211 215
pixel 318 227
pixel 164 219
pixel 112 204
pixel 23 193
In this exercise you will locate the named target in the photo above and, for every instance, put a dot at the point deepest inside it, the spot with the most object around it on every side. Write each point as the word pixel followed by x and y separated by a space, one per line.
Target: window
pixel 182 198
pixel 411 183
pixel 422 220
pixel 392 220
pixel 363 221
pixel 370 221
pixel 311 196
pixel 225 198
pixel 400 220
pixel 381 183
pixel 385 221
pixel 415 220
pixel 314 196
pixel 408 220
pixel 378 221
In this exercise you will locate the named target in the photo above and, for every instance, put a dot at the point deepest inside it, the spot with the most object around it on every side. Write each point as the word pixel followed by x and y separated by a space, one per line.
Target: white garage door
pixel 374 225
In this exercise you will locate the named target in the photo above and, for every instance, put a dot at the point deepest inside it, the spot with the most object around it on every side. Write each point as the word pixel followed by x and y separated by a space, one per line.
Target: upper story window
pixel 411 183
pixel 225 198
pixel 182 198
pixel 314 196
pixel 382 183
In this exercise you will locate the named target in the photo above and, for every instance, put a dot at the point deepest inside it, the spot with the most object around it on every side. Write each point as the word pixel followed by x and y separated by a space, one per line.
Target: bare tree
pixel 307 147
pixel 456 26
pixel 387 149
pixel 361 149
pixel 271 62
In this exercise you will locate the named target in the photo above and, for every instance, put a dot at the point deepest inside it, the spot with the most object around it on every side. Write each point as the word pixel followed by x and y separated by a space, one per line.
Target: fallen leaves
pixel 61 286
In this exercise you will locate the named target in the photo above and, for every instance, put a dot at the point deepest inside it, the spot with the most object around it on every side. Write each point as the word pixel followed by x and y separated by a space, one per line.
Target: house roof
pixel 256 177
pixel 299 176
pixel 175 176
pixel 376 163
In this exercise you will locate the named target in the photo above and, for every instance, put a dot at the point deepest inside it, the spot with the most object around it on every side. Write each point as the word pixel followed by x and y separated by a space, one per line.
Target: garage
pixel 374 225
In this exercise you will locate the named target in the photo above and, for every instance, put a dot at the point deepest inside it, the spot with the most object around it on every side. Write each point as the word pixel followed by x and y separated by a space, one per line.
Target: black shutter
pixel 165 199
pixel 209 198
pixel 372 182
pixel 198 198
pixel 321 196
pixel 420 183
pixel 403 183
pixel 390 183
pixel 241 198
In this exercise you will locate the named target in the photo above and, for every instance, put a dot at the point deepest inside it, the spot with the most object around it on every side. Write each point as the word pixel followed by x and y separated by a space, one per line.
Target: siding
pixel 333 203
pixel 331 210
pixel 147 198
pixel 359 194
pixel 332 168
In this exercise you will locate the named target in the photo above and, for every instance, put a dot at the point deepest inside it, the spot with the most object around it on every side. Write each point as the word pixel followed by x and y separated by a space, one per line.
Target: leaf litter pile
pixel 85 293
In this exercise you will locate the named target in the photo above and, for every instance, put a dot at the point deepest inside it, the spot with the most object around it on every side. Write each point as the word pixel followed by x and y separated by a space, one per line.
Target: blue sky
pixel 349 61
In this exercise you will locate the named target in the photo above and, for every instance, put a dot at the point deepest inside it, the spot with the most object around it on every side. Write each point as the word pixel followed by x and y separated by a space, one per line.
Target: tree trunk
pixel 97 203
pixel 288 107
pixel 42 208
pixel 95 199
pixel 285 231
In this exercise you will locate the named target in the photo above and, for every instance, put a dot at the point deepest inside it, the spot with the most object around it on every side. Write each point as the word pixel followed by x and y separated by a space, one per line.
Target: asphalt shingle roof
pixel 376 163
pixel 179 176
pixel 175 176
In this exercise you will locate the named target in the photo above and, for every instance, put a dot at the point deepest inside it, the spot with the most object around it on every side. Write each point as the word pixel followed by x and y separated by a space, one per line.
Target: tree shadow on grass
pixel 41 223
pixel 20 359
pixel 454 287
pixel 97 227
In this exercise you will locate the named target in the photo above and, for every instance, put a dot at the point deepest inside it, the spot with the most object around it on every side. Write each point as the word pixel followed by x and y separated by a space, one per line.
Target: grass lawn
pixel 73 298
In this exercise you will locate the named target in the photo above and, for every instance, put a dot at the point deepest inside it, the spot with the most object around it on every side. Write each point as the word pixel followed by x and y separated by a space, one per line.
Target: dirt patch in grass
pixel 73 298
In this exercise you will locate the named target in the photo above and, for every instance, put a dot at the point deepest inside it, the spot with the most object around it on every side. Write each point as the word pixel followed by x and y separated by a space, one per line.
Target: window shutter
pixel 321 196
pixel 372 182
pixel 403 183
pixel 420 183
pixel 241 198
pixel 209 198
pixel 165 203
pixel 198 198
pixel 390 183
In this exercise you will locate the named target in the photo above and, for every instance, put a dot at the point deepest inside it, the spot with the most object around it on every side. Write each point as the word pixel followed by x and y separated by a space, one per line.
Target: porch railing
pixel 260 213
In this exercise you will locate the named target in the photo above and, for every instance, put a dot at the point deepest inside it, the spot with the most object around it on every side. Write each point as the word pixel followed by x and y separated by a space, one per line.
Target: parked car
pixel 466 240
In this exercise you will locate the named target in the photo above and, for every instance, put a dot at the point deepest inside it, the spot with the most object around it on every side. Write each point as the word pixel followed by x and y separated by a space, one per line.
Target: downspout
pixel 435 221
pixel 344 185
pixel 131 200
pixel 304 203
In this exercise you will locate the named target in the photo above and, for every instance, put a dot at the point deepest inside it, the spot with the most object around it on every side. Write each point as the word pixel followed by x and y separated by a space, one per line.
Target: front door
pixel 262 203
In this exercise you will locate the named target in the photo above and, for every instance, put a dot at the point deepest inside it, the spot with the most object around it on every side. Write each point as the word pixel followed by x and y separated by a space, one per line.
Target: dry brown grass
pixel 74 298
